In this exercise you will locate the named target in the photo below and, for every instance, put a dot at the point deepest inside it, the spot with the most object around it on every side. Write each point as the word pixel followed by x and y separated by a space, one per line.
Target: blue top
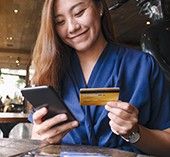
pixel 141 84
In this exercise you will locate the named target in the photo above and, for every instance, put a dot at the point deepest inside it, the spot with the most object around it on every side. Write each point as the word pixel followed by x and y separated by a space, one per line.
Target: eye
pixel 80 13
pixel 59 22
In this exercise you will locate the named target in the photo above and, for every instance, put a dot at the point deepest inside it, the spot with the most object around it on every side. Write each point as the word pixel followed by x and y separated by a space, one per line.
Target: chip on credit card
pixel 98 96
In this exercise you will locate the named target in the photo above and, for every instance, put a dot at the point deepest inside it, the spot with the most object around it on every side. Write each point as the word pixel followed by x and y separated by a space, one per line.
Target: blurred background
pixel 19 24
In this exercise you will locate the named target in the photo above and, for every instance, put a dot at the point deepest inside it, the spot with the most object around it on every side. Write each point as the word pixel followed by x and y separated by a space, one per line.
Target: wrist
pixel 134 136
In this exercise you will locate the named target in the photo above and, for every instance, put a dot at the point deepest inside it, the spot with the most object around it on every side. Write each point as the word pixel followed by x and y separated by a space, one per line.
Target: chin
pixel 83 46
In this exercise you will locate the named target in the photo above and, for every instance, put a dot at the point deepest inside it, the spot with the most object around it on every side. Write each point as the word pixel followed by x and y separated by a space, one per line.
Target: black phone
pixel 47 96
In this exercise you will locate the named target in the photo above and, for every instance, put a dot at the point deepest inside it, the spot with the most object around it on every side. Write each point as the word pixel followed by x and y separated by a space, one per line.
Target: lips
pixel 78 35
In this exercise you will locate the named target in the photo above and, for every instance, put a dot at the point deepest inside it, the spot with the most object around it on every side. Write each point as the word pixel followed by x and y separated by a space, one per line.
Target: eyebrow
pixel 74 6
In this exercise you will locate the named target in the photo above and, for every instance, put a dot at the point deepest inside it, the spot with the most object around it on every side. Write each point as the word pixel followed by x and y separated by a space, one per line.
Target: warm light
pixel 15 11
pixel 148 22
pixel 10 38
pixel 17 61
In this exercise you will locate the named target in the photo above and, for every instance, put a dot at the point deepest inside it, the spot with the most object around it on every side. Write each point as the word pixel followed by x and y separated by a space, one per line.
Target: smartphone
pixel 47 96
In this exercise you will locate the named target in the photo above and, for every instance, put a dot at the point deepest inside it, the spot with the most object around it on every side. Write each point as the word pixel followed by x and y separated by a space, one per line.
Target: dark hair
pixel 106 22
pixel 50 52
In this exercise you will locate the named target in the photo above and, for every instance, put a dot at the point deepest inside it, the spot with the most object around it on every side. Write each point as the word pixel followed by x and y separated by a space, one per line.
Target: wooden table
pixel 32 148
pixel 9 120
pixel 9 117
pixel 12 147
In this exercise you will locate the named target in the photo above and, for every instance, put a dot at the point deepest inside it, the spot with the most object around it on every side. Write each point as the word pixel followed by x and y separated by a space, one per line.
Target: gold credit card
pixel 98 96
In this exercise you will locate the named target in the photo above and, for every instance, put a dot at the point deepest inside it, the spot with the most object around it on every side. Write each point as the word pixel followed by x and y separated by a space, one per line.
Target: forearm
pixel 154 142
pixel 123 121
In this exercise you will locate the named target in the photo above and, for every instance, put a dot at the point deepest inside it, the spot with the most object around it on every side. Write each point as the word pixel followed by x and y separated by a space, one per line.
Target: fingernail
pixel 63 117
pixel 75 124
pixel 106 107
pixel 110 103
pixel 44 109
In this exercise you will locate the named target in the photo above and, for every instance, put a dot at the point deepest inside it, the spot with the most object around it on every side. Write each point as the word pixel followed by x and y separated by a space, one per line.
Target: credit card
pixel 98 96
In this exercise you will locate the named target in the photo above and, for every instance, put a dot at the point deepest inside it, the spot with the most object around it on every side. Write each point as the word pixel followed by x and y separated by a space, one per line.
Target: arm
pixel 156 142
pixel 124 120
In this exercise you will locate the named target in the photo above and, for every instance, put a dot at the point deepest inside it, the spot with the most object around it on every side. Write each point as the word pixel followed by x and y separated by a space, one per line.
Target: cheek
pixel 90 20
pixel 93 21
pixel 61 32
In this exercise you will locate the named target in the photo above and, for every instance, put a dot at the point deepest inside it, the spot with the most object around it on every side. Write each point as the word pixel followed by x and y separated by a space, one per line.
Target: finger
pixel 56 139
pixel 122 123
pixel 122 105
pixel 116 119
pixel 59 130
pixel 119 112
pixel 67 126
pixel 49 123
pixel 34 134
pixel 117 129
pixel 39 114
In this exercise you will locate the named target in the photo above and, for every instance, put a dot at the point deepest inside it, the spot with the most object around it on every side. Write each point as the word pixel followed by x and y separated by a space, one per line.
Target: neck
pixel 89 58
pixel 92 54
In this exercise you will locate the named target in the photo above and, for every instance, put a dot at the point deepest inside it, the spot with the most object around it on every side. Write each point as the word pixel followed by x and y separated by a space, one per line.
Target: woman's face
pixel 77 22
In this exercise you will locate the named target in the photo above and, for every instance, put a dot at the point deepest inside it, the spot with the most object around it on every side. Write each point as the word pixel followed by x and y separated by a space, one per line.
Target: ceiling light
pixel 17 60
pixel 15 11
pixel 148 22
pixel 10 38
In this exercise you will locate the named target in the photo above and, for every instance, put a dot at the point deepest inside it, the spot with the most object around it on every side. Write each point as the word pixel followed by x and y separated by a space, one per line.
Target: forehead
pixel 63 5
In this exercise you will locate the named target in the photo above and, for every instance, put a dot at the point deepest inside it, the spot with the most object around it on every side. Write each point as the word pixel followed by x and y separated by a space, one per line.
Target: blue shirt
pixel 141 83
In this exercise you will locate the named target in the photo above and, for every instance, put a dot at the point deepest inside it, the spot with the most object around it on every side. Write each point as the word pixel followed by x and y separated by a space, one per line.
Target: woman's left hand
pixel 123 117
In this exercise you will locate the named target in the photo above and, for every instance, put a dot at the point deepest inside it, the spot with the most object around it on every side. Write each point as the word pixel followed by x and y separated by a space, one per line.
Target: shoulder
pixel 130 55
pixel 133 61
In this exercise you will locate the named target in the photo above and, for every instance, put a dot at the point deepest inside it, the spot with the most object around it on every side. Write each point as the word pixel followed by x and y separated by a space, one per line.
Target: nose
pixel 73 26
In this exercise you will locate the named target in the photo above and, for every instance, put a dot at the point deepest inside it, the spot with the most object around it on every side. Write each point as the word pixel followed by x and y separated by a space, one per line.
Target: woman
pixel 75 50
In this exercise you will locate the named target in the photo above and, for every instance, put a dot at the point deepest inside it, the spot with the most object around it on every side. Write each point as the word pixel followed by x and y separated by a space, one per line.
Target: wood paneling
pixel 24 25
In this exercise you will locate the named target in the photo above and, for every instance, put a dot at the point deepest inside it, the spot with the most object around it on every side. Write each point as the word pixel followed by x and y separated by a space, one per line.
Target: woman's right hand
pixel 46 130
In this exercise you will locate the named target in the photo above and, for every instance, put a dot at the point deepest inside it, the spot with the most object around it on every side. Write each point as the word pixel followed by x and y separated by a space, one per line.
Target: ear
pixel 100 7
pixel 101 12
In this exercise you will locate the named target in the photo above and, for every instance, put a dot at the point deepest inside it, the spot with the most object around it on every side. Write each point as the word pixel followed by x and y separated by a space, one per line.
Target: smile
pixel 73 37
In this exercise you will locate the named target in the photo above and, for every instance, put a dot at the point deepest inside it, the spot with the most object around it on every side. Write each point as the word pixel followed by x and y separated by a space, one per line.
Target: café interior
pixel 140 24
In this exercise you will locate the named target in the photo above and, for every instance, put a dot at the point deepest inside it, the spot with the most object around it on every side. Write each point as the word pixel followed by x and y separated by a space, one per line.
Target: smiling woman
pixel 75 27
pixel 75 49
pixel 50 25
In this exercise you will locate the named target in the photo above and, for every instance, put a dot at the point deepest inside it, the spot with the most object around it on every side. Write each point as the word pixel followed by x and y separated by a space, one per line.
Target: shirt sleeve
pixel 30 117
pixel 160 98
